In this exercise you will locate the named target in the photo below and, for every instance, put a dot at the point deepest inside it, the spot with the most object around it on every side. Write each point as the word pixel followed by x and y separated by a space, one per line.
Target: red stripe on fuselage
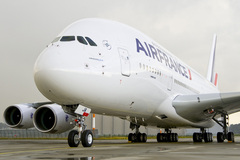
pixel 216 78
pixel 190 75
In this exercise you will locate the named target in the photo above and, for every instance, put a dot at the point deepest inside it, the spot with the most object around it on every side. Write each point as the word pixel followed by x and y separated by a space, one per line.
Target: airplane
pixel 106 67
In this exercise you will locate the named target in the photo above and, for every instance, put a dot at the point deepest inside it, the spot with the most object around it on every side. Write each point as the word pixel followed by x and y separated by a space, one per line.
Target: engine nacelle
pixel 19 116
pixel 52 119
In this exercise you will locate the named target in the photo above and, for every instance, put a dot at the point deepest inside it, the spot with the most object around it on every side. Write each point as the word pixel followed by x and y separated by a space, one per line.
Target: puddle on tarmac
pixel 81 158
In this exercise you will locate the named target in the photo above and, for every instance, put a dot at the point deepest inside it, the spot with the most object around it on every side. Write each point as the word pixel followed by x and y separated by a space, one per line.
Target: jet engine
pixel 19 116
pixel 52 119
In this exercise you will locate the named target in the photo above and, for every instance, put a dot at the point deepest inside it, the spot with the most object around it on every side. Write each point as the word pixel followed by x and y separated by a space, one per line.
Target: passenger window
pixel 90 41
pixel 82 40
pixel 67 38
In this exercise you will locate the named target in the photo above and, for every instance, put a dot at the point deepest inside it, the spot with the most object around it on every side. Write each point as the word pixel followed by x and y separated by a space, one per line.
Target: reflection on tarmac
pixel 118 149
pixel 81 158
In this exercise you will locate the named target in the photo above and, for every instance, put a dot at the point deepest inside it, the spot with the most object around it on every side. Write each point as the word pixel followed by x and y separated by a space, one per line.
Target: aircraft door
pixel 125 62
pixel 170 82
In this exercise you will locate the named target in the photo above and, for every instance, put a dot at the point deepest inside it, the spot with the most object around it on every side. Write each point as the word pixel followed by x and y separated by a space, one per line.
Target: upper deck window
pixel 90 41
pixel 82 40
pixel 67 38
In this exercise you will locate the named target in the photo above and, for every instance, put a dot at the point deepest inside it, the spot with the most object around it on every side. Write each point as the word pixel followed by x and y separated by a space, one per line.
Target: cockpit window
pixel 67 38
pixel 56 39
pixel 82 40
pixel 90 41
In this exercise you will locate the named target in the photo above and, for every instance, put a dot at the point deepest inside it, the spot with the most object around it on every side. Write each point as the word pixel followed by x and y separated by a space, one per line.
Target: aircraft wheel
pixel 144 137
pixel 211 137
pixel 130 137
pixel 197 137
pixel 230 136
pixel 165 137
pixel 73 138
pixel 160 137
pixel 220 137
pixel 139 137
pixel 207 137
pixel 134 137
pixel 175 137
pixel 170 137
pixel 87 138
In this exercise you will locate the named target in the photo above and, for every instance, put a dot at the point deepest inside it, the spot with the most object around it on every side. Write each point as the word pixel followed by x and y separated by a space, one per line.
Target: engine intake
pixel 52 119
pixel 19 116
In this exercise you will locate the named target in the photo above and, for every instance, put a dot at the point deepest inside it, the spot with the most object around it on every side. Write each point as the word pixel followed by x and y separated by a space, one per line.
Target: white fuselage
pixel 126 75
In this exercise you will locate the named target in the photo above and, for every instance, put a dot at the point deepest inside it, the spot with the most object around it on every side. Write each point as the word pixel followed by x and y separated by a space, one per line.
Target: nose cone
pixel 47 60
pixel 51 73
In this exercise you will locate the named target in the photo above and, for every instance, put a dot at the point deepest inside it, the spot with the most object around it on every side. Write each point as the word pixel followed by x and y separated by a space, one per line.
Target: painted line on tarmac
pixel 179 149
pixel 36 150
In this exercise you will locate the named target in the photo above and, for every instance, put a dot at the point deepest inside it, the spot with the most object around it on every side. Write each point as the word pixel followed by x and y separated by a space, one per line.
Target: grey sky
pixel 184 27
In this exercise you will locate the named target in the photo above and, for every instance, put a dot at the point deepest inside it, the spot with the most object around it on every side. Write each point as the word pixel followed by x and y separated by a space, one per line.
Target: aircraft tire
pixel 175 137
pixel 220 137
pixel 160 137
pixel 87 138
pixel 139 137
pixel 73 138
pixel 230 137
pixel 130 137
pixel 207 137
pixel 197 137
pixel 144 137
pixel 170 137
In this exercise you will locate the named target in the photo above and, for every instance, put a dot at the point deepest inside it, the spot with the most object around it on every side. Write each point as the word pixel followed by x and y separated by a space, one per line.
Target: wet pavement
pixel 118 150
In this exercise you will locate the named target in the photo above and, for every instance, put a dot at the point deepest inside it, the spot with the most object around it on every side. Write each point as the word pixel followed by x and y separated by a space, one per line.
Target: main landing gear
pixel 221 136
pixel 82 135
pixel 137 136
pixel 203 135
pixel 223 122
pixel 168 136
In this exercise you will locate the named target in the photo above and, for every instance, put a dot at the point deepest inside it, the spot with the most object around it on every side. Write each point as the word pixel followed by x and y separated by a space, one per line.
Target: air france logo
pixel 155 53
pixel 31 115
pixel 66 118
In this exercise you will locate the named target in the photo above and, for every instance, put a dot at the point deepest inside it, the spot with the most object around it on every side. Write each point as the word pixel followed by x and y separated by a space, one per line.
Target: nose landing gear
pixel 82 135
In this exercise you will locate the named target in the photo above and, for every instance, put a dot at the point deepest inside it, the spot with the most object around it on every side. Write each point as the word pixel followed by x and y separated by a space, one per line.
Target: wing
pixel 199 107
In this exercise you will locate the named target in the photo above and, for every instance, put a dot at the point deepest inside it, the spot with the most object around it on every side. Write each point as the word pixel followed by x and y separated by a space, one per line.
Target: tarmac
pixel 119 150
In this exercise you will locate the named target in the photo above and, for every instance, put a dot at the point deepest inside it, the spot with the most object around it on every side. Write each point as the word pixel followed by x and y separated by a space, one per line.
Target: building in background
pixel 104 126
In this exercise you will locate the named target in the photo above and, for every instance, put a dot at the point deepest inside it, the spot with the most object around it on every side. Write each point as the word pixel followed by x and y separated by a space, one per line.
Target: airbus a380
pixel 109 68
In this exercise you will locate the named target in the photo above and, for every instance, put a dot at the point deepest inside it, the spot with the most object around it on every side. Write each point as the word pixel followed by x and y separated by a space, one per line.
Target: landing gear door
pixel 125 62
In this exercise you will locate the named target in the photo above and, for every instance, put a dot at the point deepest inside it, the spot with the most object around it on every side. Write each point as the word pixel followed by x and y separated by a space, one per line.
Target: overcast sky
pixel 184 27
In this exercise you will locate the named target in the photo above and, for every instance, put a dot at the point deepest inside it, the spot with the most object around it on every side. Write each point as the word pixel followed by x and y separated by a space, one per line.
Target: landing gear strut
pixel 224 122
pixel 168 136
pixel 82 135
pixel 137 136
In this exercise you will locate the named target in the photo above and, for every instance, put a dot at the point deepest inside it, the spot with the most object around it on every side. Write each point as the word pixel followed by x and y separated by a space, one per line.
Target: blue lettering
pixel 159 53
pixel 166 60
pixel 172 64
pixel 178 67
pixel 140 47
pixel 154 52
pixel 149 54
